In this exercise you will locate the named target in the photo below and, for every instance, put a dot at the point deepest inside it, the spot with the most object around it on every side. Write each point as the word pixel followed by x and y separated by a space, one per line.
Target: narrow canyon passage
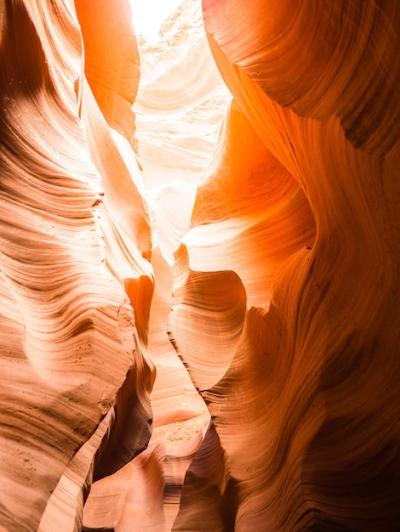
pixel 199 265
pixel 179 112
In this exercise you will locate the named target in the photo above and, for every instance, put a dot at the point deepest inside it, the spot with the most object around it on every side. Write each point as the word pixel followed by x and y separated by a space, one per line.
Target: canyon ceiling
pixel 200 267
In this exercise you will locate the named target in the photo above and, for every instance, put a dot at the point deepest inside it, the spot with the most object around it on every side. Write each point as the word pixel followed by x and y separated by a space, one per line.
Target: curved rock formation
pixel 303 411
pixel 68 336
pixel 198 297
pixel 173 157
pixel 111 60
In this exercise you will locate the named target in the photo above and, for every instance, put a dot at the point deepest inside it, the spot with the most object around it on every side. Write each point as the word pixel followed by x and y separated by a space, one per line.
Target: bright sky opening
pixel 149 15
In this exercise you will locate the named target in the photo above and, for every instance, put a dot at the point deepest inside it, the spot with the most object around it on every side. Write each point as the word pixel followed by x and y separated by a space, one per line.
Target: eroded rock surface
pixel 199 294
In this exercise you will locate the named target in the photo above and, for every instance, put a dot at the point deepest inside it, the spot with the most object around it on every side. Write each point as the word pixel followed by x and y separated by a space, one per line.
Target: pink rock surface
pixel 199 267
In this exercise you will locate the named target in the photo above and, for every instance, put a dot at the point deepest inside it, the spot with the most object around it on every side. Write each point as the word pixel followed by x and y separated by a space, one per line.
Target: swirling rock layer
pixel 303 411
pixel 269 309
pixel 68 335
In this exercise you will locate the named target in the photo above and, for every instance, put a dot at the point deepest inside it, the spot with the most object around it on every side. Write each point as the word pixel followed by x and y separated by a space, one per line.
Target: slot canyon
pixel 200 265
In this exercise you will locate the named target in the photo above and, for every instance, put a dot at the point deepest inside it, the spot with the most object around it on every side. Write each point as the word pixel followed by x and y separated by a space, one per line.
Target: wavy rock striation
pixel 68 335
pixel 195 338
pixel 304 412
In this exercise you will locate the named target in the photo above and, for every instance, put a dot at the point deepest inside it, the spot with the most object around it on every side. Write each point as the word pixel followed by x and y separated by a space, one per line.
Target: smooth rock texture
pixel 68 334
pixel 303 412
pixel 199 263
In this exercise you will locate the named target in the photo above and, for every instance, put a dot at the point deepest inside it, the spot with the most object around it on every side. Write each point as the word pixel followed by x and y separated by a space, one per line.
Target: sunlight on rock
pixel 199 265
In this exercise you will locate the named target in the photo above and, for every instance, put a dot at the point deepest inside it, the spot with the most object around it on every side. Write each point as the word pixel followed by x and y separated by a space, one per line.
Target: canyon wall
pixel 306 411
pixel 69 345
pixel 198 339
